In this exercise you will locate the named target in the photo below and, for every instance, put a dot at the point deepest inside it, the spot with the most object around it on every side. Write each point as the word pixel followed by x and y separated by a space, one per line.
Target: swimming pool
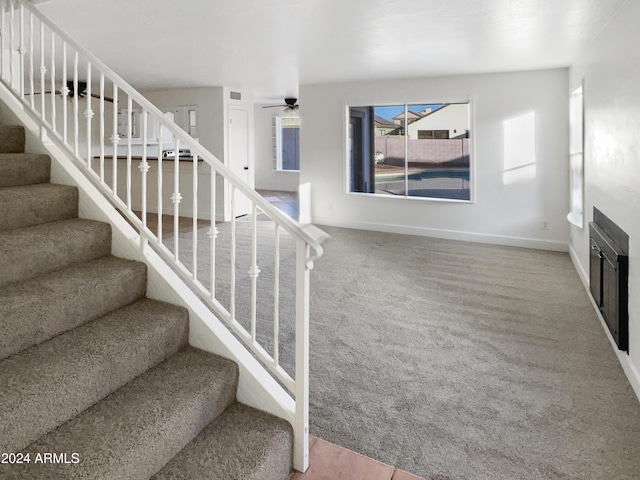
pixel 432 183
pixel 462 174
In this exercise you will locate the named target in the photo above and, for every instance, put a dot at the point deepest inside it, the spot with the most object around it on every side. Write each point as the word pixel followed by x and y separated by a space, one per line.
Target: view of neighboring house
pixel 385 127
pixel 450 121
pixel 411 117
pixel 432 122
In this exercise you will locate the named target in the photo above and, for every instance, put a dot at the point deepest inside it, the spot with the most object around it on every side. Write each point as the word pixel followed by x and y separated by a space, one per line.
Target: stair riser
pixel 36 204
pixel 56 380
pixel 24 169
pixel 12 139
pixel 242 443
pixel 139 428
pixel 29 252
pixel 36 310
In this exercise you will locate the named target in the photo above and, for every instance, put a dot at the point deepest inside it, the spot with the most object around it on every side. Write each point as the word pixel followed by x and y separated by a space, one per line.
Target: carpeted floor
pixel 453 360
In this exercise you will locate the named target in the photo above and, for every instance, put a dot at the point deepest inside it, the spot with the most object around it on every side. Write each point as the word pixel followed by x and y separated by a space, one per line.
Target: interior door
pixel 239 155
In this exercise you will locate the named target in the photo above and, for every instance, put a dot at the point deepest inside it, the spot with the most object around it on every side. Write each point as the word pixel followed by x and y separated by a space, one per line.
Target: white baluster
pixel 176 197
pixel 3 7
pixel 213 234
pixel 31 82
pixel 115 140
pixel 11 42
pixel 65 91
pixel 102 127
pixel 75 103
pixel 88 113
pixel 144 168
pixel 195 216
pixel 232 293
pixel 43 71
pixel 21 51
pixel 129 110
pixel 160 147
pixel 53 82
pixel 254 271
pixel 276 297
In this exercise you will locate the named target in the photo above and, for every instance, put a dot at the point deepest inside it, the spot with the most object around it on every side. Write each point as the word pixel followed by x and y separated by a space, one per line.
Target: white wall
pixel 611 71
pixel 210 119
pixel 267 177
pixel 512 199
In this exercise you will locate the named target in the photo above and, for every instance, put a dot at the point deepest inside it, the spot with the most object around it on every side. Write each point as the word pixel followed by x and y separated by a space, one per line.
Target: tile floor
pixel 285 201
pixel 331 462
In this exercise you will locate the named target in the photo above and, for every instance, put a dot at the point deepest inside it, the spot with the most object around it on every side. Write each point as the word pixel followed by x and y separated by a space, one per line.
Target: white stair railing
pixel 37 59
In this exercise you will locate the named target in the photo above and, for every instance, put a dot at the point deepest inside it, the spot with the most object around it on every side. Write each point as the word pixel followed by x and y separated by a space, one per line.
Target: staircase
pixel 94 372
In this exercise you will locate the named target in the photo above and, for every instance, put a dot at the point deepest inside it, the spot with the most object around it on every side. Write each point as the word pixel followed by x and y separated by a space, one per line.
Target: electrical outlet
pixel 545 225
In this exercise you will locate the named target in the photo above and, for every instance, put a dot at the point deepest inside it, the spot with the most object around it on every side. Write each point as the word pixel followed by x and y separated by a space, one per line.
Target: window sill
pixel 405 197
pixel 575 219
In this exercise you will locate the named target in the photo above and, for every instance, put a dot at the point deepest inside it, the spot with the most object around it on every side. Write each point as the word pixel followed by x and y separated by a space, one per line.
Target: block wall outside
pixel 452 152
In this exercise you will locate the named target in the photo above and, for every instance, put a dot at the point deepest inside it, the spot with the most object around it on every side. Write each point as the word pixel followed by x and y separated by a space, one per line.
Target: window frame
pixel 277 143
pixel 576 158
pixel 469 100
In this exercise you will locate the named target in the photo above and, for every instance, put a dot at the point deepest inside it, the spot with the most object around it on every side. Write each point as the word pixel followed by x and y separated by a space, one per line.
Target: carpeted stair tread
pixel 28 205
pixel 243 443
pixel 12 139
pixel 40 308
pixel 132 433
pixel 31 251
pixel 24 169
pixel 47 384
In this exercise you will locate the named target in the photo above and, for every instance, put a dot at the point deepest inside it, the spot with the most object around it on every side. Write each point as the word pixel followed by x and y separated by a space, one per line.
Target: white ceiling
pixel 273 46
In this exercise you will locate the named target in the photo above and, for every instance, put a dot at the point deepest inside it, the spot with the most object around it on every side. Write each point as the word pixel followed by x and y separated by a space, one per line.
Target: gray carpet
pixel 455 360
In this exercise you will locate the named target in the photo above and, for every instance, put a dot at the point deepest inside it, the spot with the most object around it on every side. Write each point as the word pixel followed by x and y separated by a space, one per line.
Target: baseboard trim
pixel 506 240
pixel 630 370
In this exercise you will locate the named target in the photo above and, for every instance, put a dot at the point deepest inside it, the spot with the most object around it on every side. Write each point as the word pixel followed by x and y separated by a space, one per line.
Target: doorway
pixel 239 155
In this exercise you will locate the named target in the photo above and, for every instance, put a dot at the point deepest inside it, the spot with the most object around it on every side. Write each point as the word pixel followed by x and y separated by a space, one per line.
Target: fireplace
pixel 608 275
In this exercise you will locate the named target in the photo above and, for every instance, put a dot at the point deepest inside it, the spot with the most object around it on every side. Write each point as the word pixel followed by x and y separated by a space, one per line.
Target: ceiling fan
pixel 290 106
pixel 82 91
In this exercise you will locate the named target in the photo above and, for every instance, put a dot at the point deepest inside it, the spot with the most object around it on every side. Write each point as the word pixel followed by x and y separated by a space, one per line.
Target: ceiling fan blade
pixel 273 106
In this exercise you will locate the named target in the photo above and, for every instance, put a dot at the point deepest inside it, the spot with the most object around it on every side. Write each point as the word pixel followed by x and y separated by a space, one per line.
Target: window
pixel 426 134
pixel 417 150
pixel 576 144
pixel 287 143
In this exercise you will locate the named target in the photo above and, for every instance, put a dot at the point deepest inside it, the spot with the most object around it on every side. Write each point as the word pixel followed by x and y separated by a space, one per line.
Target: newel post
pixel 301 427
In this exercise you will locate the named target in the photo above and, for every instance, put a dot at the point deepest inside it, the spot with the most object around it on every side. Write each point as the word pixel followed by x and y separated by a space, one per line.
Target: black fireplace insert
pixel 608 275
